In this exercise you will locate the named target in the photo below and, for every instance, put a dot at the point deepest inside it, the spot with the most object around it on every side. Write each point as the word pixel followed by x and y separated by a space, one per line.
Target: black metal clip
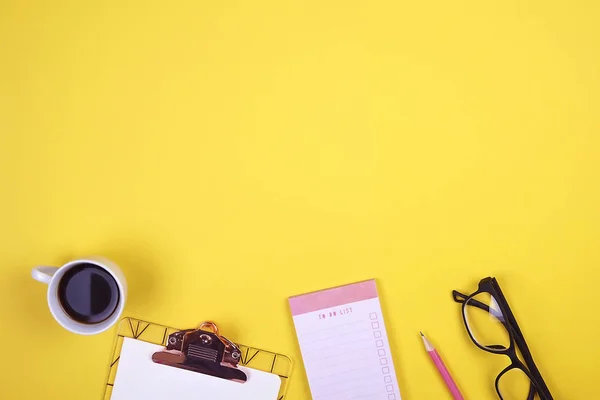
pixel 203 351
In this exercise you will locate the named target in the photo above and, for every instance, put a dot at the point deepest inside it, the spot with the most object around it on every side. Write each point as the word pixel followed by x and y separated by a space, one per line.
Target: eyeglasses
pixel 493 328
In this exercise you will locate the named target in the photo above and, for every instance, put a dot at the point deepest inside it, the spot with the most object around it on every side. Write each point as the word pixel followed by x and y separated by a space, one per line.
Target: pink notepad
pixel 344 344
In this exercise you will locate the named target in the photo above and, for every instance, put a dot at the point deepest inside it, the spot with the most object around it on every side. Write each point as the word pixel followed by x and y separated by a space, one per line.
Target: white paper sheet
pixel 139 378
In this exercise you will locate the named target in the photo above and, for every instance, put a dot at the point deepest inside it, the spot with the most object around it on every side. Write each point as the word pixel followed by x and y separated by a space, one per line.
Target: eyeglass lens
pixel 486 325
pixel 514 385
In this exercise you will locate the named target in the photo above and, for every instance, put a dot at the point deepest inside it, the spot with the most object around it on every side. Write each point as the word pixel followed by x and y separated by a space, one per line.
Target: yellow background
pixel 231 154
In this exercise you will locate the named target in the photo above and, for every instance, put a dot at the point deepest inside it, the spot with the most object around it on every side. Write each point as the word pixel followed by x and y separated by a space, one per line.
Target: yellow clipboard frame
pixel 251 357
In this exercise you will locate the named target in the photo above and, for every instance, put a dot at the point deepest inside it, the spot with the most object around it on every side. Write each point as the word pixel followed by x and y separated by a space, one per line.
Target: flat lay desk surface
pixel 231 154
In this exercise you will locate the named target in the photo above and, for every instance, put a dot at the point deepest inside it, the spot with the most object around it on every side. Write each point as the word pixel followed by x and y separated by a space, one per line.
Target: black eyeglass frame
pixel 517 340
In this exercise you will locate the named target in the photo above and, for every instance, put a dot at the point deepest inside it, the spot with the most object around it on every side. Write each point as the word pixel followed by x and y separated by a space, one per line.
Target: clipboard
pixel 248 357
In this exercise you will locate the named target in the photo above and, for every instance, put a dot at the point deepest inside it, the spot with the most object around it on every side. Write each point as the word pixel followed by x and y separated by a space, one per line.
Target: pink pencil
pixel 437 360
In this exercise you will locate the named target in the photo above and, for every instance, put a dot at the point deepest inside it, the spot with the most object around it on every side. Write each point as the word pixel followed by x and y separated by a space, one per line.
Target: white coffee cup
pixel 52 277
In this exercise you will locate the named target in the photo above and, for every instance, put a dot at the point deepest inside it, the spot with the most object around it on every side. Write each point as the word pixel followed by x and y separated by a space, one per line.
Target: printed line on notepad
pixel 336 336
pixel 360 321
pixel 369 349
pixel 352 379
pixel 340 344
pixel 341 372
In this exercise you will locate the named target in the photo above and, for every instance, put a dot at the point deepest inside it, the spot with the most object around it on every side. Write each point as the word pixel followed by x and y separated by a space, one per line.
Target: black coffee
pixel 88 293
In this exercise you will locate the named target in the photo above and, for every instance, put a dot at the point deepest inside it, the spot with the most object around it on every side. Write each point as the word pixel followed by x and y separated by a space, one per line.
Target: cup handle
pixel 43 274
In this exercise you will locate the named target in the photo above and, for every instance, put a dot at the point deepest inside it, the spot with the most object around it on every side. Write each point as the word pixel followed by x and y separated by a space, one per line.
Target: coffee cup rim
pixel 65 320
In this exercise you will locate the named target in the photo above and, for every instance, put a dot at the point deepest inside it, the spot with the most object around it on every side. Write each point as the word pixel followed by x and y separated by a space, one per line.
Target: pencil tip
pixel 421 333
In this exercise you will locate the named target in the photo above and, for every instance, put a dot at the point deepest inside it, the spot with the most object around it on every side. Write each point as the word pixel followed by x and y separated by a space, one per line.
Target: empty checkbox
pixel 373 315
pixel 387 379
pixel 383 361
pixel 379 343
pixel 389 388
pixel 392 397
pixel 377 334
pixel 385 370
pixel 375 325
pixel 381 352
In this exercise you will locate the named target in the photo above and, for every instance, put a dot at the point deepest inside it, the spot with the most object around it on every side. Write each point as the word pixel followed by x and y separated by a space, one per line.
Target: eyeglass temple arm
pixel 542 389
